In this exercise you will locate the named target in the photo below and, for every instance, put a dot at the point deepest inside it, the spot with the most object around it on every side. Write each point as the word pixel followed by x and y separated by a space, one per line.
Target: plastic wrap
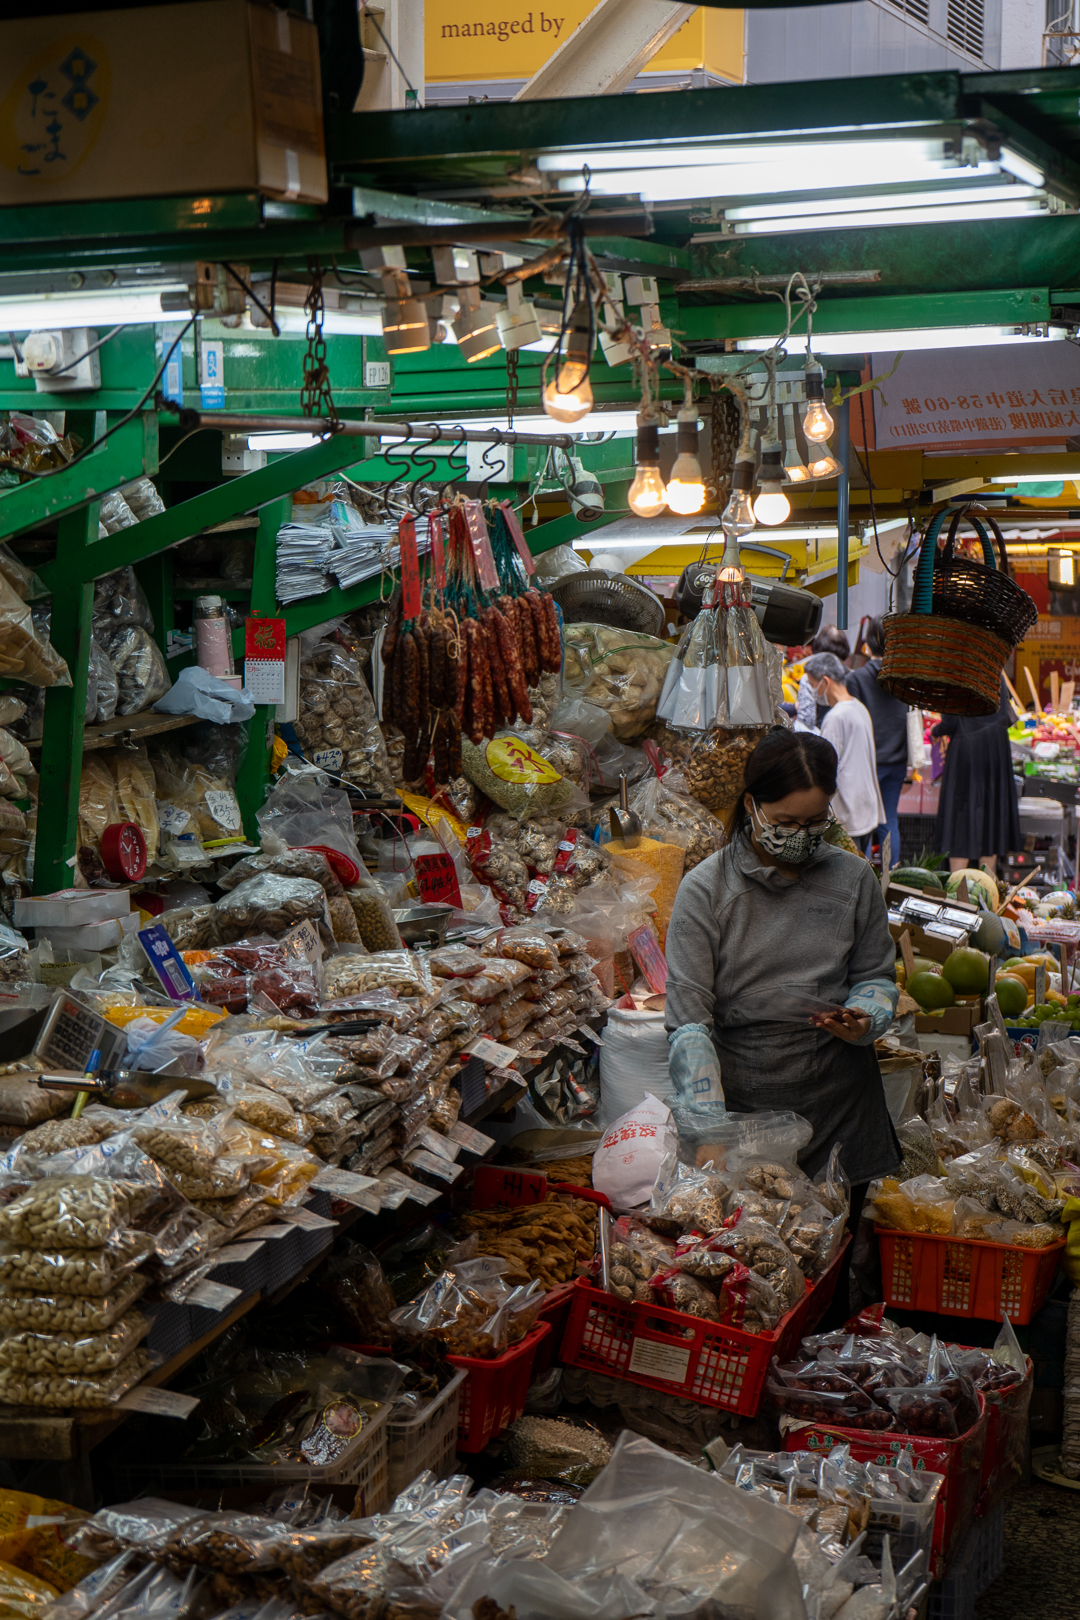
pixel 75 1212
pixel 374 920
pixel 41 1388
pixel 26 655
pixel 531 946
pixel 337 726
pixel 22 1308
pixel 120 599
pixel 670 814
pixel 402 971
pixel 141 673
pixel 619 671
pixel 76 1354
pixel 293 863
pixel 136 791
pixel 196 801
pixel 517 778
pixel 456 962
pixel 272 905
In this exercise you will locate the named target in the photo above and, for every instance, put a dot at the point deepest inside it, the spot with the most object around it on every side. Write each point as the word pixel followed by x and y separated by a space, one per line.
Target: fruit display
pixel 968 971
pixel 917 877
pixel 931 990
pixel 974 876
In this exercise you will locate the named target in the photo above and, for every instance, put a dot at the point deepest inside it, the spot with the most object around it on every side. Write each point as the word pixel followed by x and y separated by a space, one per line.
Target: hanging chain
pixel 316 398
pixel 511 386
pixel 724 428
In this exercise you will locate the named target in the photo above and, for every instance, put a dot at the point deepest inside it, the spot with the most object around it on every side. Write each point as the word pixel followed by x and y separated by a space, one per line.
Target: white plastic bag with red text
pixel 629 1157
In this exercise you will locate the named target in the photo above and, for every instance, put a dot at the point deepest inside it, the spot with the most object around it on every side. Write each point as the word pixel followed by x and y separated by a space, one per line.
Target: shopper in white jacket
pixel 857 802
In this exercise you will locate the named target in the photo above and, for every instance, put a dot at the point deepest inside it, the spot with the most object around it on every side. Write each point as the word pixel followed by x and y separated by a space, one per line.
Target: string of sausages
pixel 464 665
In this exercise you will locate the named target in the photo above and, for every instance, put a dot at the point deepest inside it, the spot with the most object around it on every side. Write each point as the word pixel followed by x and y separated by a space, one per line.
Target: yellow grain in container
pixel 666 860
pixel 195 1022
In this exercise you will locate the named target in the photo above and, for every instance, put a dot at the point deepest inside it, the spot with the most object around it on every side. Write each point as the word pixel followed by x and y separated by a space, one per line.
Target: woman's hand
pixel 846 1025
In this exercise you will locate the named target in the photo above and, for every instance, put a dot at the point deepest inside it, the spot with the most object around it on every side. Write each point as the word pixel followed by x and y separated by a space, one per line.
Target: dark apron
pixel 832 1084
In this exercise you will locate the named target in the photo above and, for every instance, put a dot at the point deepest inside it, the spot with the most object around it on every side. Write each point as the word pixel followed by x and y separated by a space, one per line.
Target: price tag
pixel 510 517
pixel 261 1232
pixel 234 1254
pixel 590 1034
pixel 410 568
pixel 302 943
pixel 434 1164
pixel 438 551
pixel 494 1184
pixel 167 963
pixel 171 818
pixel 489 1051
pixel 160 1402
pixel 472 1141
pixel 222 805
pixel 346 1184
pixel 413 1189
pixel 483 556
pixel 213 1296
pixel 308 1219
pixel 438 1144
pixel 437 880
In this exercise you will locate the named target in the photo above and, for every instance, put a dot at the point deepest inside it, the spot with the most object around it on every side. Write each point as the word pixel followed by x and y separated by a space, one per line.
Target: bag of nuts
pixel 74 1271
pixel 21 1308
pixel 69 1212
pixel 79 1354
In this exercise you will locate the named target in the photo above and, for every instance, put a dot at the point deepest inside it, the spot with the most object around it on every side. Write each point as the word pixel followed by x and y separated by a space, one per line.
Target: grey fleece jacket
pixel 741 929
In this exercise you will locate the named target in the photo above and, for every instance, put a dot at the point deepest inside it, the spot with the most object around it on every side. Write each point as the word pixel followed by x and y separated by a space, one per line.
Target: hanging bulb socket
pixel 406 329
pixel 817 423
pixel 647 495
pixel 476 326
pixel 772 505
pixel 580 338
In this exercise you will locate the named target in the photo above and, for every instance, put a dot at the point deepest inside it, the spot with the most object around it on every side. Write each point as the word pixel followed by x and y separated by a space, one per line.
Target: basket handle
pixel 995 529
pixel 922 589
pixel 968 517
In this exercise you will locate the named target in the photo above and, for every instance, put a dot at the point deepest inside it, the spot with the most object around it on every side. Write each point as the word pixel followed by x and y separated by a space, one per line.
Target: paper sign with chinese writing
pixel 264 659
pixel 1000 397
pixel 492 1184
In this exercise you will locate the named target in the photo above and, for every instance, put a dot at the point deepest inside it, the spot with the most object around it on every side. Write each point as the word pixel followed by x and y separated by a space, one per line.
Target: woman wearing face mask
pixel 781 908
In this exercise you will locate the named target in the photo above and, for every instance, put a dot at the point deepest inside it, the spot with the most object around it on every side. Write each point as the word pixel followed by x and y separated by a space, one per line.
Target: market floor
pixel 1041 1579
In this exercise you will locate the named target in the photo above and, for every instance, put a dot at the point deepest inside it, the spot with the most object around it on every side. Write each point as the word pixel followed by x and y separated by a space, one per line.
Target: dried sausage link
pixel 408 715
pixel 483 656
pixel 393 625
pixel 540 625
pixel 504 708
pixel 527 632
pixel 453 746
pixel 554 640
pixel 511 657
pixel 477 708
pixel 423 651
pixel 437 655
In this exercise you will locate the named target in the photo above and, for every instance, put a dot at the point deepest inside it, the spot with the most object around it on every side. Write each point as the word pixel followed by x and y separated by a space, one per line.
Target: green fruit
pixel 968 971
pixel 923 964
pixel 974 875
pixel 917 877
pixel 931 991
pixel 990 935
pixel 1011 995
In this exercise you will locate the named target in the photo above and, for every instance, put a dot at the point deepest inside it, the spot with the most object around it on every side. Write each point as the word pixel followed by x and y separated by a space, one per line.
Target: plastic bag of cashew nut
pixel 24 1308
pixel 41 1387
pixel 76 1353
pixel 621 671
pixel 69 1212
pixel 669 814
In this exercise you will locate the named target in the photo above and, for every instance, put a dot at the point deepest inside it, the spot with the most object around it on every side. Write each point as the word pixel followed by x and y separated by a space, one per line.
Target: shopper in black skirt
pixel 977 818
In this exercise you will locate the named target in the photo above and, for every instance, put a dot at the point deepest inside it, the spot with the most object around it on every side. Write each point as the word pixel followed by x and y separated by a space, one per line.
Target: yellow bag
pixel 23 1596
pixel 39 1549
pixel 1070 1260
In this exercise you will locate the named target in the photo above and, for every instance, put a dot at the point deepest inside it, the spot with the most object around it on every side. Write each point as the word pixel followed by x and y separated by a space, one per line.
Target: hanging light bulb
pixel 794 471
pixel 817 423
pixel 569 407
pixel 647 495
pixel 580 338
pixel 737 519
pixel 686 486
pixel 772 505
pixel 404 319
pixel 823 464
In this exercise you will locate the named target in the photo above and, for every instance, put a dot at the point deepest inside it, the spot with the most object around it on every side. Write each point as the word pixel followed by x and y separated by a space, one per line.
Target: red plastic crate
pixel 1006 1442
pixel 960 1461
pixel 494 1393
pixel 959 1277
pixel 556 1312
pixel 685 1355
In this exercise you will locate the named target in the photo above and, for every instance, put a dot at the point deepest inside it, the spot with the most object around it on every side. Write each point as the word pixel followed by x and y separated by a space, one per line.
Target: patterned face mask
pixel 794 849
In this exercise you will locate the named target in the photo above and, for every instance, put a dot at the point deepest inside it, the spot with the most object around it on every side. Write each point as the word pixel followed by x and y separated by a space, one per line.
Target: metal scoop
pixel 625 823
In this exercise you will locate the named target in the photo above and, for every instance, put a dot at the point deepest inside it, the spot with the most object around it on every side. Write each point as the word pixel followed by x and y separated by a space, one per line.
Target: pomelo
pixel 967 970
pixel 923 964
pixel 974 875
pixel 1012 995
pixel 931 991
pixel 990 936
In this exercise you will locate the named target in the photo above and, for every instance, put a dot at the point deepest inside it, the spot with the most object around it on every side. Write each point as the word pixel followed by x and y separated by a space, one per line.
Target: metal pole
pixel 322 426
pixel 843 493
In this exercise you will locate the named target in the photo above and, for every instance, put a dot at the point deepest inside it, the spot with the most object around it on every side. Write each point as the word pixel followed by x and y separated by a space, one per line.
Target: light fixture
pixel 822 463
pixel 737 519
pixel 476 327
pixel 817 423
pixel 404 319
pixel 794 471
pixel 686 486
pixel 912 338
pixel 647 496
pixel 568 407
pixel 1008 190
pixel 62 310
pixel 927 214
pixel 518 323
pixel 1013 163
pixel 772 505
pixel 580 338
pixel 1061 568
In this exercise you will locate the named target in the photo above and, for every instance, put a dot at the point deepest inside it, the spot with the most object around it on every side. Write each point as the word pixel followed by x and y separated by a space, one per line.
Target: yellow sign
pixel 471 40
pixel 514 761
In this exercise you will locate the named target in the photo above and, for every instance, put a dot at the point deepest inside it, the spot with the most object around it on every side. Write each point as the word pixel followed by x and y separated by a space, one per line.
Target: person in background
pixel 847 725
pixel 828 640
pixel 977 818
pixel 888 715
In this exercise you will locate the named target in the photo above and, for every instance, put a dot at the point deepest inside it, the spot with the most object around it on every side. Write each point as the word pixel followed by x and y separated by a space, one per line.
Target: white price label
pixel 222 805
pixel 160 1402
pixel 269 1231
pixel 328 759
pixel 590 1034
pixel 660 1360
pixel 235 1253
pixel 308 1219
pixel 171 818
pixel 489 1051
pixel 438 1144
pixel 346 1184
pixel 413 1189
pixel 212 1296
pixel 434 1164
pixel 472 1141
pixel 302 943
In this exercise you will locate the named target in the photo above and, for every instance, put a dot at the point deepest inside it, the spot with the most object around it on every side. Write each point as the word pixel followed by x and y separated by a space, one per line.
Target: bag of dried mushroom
pixel 337 726
pixel 669 814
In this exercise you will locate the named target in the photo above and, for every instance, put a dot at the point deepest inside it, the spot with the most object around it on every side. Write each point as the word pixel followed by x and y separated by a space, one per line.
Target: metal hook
pixel 455 452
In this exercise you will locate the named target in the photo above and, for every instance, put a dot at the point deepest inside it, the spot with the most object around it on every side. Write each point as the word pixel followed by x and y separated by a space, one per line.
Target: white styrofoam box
pixel 95 936
pixel 69 908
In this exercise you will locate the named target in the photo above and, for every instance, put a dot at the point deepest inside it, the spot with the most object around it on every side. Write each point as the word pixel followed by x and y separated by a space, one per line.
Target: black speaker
pixel 788 617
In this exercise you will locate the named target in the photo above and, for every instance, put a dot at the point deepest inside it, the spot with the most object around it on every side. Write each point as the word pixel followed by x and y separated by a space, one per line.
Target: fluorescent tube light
pixel 838 154
pixel 761 179
pixel 942 337
pixel 90 309
pixel 892 216
pixel 1008 190
pixel 1013 163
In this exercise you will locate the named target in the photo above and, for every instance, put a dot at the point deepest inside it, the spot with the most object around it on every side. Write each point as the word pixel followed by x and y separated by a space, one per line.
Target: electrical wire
pixel 87 450
pixel 365 12
pixel 72 364
pixel 255 299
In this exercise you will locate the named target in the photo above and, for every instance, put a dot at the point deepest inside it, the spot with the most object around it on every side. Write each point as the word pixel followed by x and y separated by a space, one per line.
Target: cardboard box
pixel 950 1021
pixel 212 96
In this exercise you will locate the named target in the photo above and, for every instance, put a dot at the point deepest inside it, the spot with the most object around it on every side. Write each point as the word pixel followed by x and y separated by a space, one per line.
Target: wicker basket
pixel 980 593
pixel 949 651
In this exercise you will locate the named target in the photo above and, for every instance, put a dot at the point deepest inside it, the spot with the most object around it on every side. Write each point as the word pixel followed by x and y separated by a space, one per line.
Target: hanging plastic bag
pixel 105 685
pixel 621 671
pixel 25 653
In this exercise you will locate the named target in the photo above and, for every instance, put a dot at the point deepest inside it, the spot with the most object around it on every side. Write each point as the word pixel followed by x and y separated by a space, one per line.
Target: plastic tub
pixel 494 1393
pixel 428 1440
pixel 950 1276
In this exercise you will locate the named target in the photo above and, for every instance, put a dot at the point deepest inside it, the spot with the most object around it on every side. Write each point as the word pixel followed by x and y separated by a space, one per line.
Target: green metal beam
pixel 1011 308
pixel 131 451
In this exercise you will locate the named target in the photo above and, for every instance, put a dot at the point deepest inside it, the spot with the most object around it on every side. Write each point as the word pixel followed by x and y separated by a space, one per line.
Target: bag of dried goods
pixel 26 654
pixel 302 863
pixel 99 805
pixel 337 726
pixel 669 814
pixel 622 671
pixel 136 789
pixel 196 800
pixel 141 673
pixel 517 778
pixel 714 772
